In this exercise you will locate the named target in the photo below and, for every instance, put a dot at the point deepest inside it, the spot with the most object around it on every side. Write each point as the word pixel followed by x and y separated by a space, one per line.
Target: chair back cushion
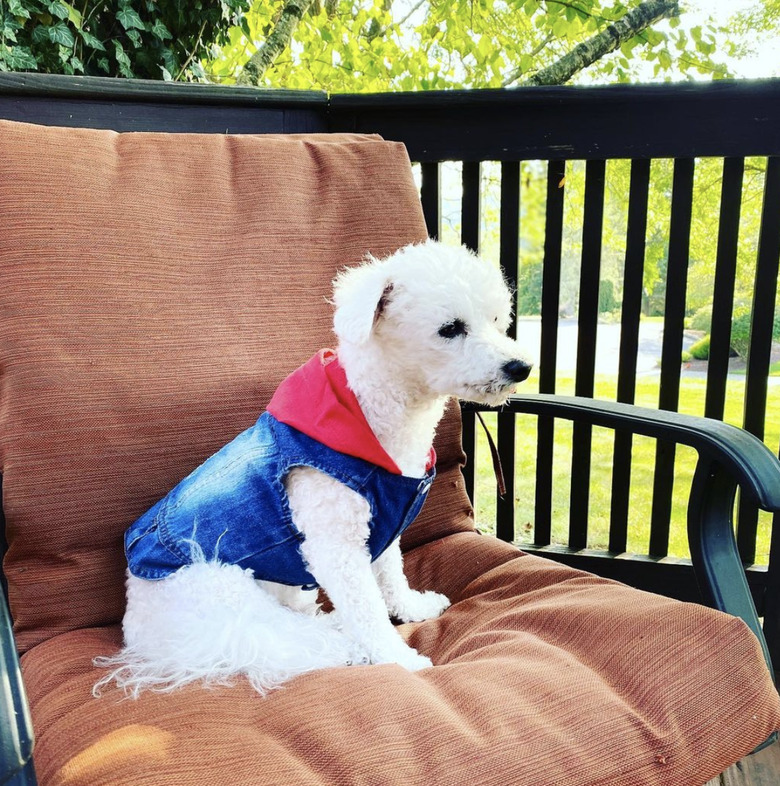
pixel 154 290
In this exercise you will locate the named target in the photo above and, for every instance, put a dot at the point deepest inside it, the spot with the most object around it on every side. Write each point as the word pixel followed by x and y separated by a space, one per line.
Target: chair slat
pixel 633 279
pixel 471 207
pixel 723 294
pixel 430 197
pixel 469 440
pixel 759 353
pixel 631 310
pixel 508 255
pixel 671 353
pixel 771 609
pixel 551 275
pixel 551 286
pixel 587 324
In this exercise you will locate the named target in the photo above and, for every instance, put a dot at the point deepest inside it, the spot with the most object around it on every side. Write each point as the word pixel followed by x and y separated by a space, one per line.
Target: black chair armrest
pixel 754 467
pixel 16 732
pixel 728 457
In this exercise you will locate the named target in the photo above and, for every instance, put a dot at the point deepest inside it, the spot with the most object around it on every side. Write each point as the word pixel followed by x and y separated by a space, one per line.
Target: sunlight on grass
pixel 692 396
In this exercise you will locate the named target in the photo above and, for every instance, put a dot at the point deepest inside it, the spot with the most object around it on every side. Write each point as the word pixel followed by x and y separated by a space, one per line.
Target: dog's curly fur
pixel 424 325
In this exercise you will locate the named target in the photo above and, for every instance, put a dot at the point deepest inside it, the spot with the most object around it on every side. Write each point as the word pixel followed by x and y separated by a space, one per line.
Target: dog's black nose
pixel 516 370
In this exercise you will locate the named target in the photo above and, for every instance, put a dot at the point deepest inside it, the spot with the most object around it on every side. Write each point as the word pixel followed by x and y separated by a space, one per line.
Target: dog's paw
pixel 358 656
pixel 404 656
pixel 418 606
pixel 415 662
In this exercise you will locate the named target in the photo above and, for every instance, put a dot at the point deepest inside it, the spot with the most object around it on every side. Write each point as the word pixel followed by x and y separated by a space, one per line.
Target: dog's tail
pixel 211 622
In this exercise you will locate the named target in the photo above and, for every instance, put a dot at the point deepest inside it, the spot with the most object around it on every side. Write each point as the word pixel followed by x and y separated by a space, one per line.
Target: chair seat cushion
pixel 543 675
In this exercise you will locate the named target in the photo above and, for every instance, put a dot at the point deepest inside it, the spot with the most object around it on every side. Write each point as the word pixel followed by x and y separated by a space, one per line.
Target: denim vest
pixel 234 507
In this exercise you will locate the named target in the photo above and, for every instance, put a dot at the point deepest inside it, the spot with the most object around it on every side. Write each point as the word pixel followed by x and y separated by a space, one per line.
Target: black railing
pixel 560 126
pixel 555 129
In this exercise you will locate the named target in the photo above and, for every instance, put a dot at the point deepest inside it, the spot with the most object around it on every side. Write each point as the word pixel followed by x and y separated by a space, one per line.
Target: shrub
pixel 529 287
pixel 153 39
pixel 607 301
pixel 740 331
pixel 701 349
pixel 702 319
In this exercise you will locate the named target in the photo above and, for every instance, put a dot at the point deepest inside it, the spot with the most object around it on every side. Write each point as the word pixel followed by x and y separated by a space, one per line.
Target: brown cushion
pixel 155 290
pixel 544 676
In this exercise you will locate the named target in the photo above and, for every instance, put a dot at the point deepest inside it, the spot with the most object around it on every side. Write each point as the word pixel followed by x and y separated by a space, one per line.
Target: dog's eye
pixel 453 329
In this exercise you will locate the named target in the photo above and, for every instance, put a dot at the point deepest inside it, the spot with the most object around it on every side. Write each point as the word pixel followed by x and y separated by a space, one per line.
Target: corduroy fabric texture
pixel 544 675
pixel 155 290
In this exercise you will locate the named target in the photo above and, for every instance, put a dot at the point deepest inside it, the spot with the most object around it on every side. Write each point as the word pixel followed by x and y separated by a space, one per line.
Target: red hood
pixel 316 400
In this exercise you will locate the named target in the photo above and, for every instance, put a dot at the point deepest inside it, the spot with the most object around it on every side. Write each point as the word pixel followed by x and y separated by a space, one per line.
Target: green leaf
pixel 60 34
pixel 159 30
pixel 561 28
pixel 169 60
pixel 9 33
pixel 135 38
pixel 121 55
pixel 20 58
pixel 40 34
pixel 665 59
pixel 92 41
pixel 17 8
pixel 57 10
pixel 77 64
pixel 103 65
pixel 485 47
pixel 129 19
pixel 74 15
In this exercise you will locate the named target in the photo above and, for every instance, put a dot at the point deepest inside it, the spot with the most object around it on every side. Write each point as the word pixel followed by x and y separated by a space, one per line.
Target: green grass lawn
pixel 692 395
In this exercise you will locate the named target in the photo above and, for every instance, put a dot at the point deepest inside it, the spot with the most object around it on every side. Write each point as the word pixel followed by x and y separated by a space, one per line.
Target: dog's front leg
pixel 334 521
pixel 404 603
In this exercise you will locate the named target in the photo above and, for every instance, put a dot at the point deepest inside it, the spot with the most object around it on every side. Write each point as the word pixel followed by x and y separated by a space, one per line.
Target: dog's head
pixel 438 315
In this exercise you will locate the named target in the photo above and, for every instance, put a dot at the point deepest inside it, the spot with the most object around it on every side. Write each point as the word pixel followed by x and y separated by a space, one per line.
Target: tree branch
pixel 516 73
pixel 608 40
pixel 278 40
pixel 192 53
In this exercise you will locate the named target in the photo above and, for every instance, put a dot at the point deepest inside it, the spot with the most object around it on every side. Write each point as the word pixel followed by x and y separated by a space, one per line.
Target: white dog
pixel 223 572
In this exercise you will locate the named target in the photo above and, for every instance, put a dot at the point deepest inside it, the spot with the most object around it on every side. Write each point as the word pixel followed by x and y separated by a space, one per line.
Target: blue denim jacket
pixel 234 507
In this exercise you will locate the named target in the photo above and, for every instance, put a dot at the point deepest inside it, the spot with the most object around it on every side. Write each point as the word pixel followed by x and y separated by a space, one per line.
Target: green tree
pixel 380 45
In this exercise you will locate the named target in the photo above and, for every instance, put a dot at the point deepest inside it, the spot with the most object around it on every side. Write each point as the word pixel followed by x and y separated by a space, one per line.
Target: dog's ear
pixel 361 295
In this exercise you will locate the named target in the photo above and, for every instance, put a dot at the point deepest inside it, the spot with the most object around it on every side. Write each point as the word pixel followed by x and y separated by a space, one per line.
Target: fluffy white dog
pixel 223 572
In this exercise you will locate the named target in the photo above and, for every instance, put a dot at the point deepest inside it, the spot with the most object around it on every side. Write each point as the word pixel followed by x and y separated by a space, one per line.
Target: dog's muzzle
pixel 516 370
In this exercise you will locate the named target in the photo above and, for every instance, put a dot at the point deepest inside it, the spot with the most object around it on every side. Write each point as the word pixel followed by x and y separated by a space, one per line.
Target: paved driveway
pixel 607 345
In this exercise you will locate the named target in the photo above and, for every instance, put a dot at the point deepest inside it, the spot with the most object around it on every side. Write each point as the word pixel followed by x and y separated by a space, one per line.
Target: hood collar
pixel 316 400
